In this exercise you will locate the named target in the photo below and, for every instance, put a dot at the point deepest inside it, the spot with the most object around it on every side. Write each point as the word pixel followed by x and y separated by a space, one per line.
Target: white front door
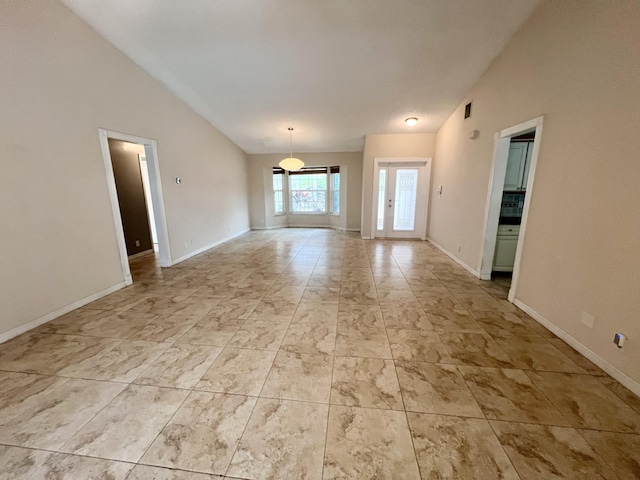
pixel 401 200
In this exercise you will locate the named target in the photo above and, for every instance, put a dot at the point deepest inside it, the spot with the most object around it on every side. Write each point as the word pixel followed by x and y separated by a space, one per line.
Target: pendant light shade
pixel 291 163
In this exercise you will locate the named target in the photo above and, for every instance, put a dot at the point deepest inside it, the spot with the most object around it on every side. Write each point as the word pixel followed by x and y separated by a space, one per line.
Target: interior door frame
pixel 502 140
pixel 422 231
pixel 157 197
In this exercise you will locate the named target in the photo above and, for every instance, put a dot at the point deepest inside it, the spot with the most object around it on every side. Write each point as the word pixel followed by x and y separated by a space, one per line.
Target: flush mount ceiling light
pixel 291 163
pixel 411 121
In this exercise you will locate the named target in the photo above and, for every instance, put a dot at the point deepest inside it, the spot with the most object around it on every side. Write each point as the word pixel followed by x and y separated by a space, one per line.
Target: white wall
pixel 61 82
pixel 576 62
pixel 389 146
pixel 261 191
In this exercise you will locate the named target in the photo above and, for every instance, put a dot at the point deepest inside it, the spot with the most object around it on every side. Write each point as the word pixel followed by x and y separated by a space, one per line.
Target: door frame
pixel 502 139
pixel 376 178
pixel 157 197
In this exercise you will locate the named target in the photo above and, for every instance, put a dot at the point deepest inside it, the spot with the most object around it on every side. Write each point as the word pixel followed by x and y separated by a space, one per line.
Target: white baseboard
pixel 140 254
pixel 333 227
pixel 365 237
pixel 471 270
pixel 619 375
pixel 308 226
pixel 208 247
pixel 14 332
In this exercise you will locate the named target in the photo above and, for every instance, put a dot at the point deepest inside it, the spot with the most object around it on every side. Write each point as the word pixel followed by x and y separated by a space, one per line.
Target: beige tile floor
pixel 308 354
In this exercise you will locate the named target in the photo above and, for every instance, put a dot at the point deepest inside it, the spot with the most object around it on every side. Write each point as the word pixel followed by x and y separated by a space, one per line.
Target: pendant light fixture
pixel 291 163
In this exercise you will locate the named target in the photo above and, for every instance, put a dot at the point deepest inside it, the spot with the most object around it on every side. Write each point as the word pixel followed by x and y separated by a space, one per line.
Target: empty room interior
pixel 319 240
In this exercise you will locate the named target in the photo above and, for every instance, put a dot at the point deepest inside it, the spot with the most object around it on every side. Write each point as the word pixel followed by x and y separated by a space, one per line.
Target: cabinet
pixel 506 244
pixel 518 166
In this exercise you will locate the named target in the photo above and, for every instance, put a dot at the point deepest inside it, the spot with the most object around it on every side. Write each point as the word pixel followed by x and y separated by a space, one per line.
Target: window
pixel 311 190
pixel 334 190
pixel 278 190
pixel 308 190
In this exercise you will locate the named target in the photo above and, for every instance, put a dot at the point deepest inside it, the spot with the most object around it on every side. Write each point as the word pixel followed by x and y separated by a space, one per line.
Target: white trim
pixel 343 229
pixel 502 139
pixel 454 258
pixel 365 237
pixel 333 227
pixel 151 154
pixel 422 232
pixel 309 226
pixel 140 254
pixel 619 375
pixel 146 187
pixel 309 213
pixel 115 206
pixel 211 245
pixel 525 209
pixel 493 203
pixel 14 332
pixel 269 228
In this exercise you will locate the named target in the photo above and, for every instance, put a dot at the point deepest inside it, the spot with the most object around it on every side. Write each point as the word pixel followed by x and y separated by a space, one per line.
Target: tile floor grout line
pixel 333 368
pixel 308 245
pixel 91 419
pixel 594 448
pixel 191 391
pixel 504 449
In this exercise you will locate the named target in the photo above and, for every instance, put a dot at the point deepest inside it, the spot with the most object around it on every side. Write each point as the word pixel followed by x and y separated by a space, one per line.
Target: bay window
pixel 311 190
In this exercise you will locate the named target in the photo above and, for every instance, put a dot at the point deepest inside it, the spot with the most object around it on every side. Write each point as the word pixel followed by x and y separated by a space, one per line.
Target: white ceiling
pixel 335 70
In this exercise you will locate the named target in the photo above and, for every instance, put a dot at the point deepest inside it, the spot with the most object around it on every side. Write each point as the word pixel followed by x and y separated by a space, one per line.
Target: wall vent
pixel 467 110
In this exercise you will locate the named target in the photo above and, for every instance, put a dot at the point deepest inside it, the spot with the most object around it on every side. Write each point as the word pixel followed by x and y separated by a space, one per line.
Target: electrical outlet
pixel 186 244
pixel 619 339
pixel 137 243
pixel 587 319
pixel 459 248
pixel 192 242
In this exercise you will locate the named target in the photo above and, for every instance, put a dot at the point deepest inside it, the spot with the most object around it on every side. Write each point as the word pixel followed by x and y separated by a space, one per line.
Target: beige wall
pixel 261 191
pixel 61 82
pixel 576 62
pixel 389 146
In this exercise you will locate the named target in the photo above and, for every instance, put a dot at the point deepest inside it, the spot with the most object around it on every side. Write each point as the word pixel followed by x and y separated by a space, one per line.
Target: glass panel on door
pixel 382 193
pixel 400 200
pixel 404 214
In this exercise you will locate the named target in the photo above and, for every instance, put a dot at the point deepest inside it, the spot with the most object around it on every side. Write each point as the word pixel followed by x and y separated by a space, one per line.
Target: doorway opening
pixel 135 190
pixel 400 197
pixel 509 196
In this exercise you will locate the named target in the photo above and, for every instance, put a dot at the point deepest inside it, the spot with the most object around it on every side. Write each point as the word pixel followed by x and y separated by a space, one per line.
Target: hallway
pixel 308 353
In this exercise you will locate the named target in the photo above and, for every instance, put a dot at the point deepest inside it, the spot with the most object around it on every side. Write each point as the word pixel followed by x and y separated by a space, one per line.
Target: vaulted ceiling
pixel 335 70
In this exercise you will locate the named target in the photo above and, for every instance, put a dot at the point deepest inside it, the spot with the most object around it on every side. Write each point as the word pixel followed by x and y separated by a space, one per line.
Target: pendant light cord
pixel 291 141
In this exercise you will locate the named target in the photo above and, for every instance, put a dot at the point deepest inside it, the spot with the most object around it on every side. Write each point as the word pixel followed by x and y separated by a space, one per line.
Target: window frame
pixel 308 171
pixel 333 172
pixel 277 171
pixel 286 191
